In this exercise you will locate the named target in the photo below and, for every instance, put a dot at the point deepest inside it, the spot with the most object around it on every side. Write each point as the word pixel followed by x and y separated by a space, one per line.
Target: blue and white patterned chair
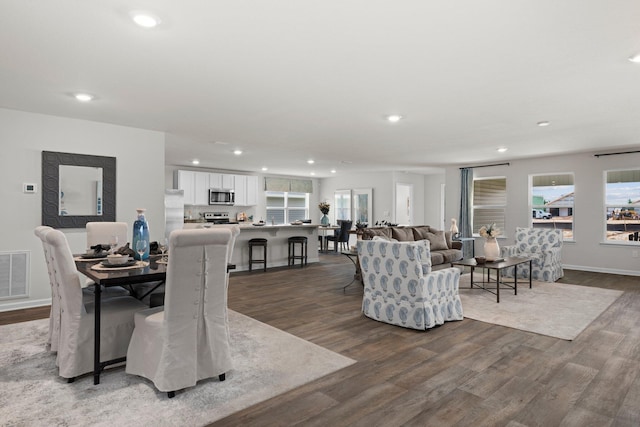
pixel 401 289
pixel 544 246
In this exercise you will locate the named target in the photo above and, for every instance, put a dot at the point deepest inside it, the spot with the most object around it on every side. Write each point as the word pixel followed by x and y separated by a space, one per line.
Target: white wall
pixel 383 185
pixel 23 137
pixel 432 202
pixel 588 250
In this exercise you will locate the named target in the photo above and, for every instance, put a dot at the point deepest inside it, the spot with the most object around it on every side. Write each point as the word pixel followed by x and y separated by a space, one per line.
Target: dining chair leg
pixel 171 394
pixel 222 377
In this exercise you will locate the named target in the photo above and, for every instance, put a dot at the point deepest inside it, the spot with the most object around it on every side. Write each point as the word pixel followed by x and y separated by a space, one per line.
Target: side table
pixel 353 257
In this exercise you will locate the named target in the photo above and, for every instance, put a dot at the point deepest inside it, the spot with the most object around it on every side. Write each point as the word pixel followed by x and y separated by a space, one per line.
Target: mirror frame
pixel 51 162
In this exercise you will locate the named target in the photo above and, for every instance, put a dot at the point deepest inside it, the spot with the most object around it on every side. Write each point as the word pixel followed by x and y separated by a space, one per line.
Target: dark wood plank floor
pixel 459 374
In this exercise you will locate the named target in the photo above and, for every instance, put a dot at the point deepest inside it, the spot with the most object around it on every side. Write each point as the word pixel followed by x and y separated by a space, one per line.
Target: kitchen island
pixel 277 248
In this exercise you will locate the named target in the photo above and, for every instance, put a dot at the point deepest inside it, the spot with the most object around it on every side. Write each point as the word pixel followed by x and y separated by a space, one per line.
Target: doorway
pixel 404 204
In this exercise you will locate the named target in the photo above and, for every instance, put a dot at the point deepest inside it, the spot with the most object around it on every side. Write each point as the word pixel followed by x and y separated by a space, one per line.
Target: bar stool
pixel 258 242
pixel 292 250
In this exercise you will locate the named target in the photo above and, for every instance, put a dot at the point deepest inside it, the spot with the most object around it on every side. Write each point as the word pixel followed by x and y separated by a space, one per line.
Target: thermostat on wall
pixel 30 188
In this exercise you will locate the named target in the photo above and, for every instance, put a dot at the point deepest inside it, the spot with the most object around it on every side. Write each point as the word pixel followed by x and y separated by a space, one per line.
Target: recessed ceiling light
pixel 502 149
pixel 394 118
pixel 265 168
pixel 543 123
pixel 333 171
pixel 84 97
pixel 237 152
pixel 635 58
pixel 145 19
pixel 311 161
pixel 195 162
pixel 312 173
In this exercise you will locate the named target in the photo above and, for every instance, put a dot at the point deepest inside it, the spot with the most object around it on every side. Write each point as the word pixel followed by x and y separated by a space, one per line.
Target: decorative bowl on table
pixel 117 259
pixel 480 260
pixel 296 222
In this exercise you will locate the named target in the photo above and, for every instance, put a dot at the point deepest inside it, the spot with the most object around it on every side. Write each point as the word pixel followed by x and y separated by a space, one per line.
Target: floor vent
pixel 14 274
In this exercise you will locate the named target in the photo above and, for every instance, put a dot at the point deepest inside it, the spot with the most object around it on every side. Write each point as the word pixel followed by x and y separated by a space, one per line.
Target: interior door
pixel 404 204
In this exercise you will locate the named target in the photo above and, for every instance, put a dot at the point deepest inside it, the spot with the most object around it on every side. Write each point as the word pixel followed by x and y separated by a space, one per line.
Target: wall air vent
pixel 14 274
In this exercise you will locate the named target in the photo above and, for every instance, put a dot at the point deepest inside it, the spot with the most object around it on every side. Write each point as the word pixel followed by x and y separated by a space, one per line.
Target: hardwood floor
pixel 459 374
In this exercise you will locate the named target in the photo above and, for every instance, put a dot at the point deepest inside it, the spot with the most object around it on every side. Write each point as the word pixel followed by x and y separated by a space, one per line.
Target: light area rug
pixel 267 362
pixel 554 309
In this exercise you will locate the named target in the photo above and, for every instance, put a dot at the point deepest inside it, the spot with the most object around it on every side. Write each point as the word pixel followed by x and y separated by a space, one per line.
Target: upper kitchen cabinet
pixel 246 188
pixel 186 181
pixel 221 181
pixel 195 186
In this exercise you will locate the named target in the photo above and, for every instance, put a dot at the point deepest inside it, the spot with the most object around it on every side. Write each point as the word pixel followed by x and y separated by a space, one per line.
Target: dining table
pixel 324 243
pixel 143 272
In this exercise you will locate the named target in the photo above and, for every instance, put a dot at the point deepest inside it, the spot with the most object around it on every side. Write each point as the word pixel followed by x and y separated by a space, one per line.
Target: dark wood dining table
pixel 153 272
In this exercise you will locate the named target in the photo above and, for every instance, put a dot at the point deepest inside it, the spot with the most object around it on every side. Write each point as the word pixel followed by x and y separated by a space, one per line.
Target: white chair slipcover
pixel 54 315
pixel 189 340
pixel 543 246
pixel 401 289
pixel 100 233
pixel 75 346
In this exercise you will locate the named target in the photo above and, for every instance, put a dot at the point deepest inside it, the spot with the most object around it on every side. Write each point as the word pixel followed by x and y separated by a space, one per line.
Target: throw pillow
pixel 370 233
pixel 420 232
pixel 402 234
pixel 438 241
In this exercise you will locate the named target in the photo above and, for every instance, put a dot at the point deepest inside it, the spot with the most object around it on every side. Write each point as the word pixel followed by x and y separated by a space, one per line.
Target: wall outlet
pixel 634 253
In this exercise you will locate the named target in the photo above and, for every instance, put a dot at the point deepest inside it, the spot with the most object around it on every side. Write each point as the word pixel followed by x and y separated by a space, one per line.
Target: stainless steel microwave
pixel 218 196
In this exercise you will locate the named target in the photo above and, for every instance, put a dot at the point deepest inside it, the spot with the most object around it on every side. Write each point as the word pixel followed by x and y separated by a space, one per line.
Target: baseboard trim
pixel 601 270
pixel 25 304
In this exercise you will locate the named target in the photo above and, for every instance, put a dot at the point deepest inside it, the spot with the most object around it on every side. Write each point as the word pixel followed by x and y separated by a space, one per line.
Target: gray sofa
pixel 443 250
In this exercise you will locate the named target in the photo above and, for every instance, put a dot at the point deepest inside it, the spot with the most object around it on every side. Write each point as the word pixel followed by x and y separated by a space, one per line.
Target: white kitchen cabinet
pixel 246 189
pixel 240 187
pixel 252 190
pixel 201 189
pixel 228 182
pixel 185 181
pixel 215 180
pixel 195 186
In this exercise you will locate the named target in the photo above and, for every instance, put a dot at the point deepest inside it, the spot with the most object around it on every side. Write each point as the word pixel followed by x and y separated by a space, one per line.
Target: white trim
pixel 601 270
pixel 25 304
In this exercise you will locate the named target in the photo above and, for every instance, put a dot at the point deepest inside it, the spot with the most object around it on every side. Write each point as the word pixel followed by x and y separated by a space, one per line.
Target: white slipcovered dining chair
pixel 187 340
pixel 54 315
pixel 75 345
pixel 99 233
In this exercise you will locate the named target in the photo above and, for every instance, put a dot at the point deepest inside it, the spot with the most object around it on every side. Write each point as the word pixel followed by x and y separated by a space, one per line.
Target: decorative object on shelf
pixel 141 232
pixel 324 208
pixel 360 225
pixel 491 248
pixel 455 233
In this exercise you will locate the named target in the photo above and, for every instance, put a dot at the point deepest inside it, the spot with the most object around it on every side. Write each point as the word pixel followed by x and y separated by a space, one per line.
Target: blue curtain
pixel 466 203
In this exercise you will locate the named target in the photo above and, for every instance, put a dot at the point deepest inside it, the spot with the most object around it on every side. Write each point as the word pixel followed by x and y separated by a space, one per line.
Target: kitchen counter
pixel 277 247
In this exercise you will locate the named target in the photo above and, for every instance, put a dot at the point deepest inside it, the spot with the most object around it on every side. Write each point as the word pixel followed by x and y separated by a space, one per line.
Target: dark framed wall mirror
pixel 77 188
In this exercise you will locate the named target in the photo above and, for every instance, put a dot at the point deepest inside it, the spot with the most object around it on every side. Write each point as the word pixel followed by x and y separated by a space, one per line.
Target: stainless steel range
pixel 217 217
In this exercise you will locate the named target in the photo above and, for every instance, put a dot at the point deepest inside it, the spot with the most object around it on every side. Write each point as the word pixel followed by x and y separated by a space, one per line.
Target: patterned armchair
pixel 544 246
pixel 401 289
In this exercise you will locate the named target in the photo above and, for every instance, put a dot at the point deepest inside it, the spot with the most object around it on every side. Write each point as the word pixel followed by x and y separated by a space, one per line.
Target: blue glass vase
pixel 324 220
pixel 140 232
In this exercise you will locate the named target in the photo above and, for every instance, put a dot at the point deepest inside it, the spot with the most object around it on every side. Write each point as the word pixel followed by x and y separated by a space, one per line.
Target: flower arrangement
pixel 324 207
pixel 489 231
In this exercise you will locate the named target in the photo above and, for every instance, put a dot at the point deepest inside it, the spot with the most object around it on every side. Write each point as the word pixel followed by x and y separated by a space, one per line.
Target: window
pixel 342 199
pixel 489 202
pixel 552 202
pixel 622 205
pixel 286 207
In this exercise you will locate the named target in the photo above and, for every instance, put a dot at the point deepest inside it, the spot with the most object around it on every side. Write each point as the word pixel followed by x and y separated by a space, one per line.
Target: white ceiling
pixel 290 80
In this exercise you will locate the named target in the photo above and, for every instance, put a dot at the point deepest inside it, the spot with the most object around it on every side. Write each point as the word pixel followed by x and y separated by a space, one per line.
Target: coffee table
pixel 498 266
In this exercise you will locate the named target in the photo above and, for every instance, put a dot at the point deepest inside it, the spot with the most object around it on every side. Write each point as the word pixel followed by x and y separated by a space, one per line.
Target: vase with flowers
pixel 491 248
pixel 324 208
